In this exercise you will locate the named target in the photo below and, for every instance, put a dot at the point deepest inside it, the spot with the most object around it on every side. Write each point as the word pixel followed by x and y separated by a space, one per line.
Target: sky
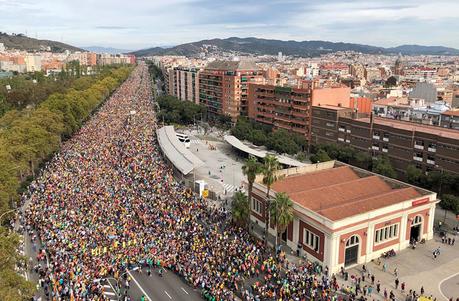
pixel 138 24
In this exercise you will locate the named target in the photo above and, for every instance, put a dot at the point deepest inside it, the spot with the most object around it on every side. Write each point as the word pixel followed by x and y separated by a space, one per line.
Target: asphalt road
pixel 450 287
pixel 168 287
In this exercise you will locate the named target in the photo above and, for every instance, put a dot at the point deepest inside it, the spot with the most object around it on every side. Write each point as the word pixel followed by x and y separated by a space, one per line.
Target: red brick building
pixel 345 216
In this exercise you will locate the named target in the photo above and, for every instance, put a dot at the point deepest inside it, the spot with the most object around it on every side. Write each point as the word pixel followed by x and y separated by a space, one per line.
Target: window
pixel 352 241
pixel 386 233
pixel 416 221
pixel 256 205
pixel 311 240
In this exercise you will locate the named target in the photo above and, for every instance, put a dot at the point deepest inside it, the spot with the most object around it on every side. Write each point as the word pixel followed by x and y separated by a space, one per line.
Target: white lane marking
pixel 136 282
pixel 109 293
pixel 184 290
pixel 441 282
pixel 168 295
pixel 107 286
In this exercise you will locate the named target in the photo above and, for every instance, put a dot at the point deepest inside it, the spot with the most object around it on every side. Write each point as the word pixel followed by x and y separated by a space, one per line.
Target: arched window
pixel 352 241
pixel 417 220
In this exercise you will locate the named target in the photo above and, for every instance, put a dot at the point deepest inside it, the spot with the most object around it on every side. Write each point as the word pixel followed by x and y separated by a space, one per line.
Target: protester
pixel 108 202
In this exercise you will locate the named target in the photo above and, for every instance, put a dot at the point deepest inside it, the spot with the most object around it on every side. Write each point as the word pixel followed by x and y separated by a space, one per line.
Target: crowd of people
pixel 108 202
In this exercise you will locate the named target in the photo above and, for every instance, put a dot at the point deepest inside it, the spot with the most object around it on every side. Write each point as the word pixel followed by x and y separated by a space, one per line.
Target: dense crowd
pixel 108 202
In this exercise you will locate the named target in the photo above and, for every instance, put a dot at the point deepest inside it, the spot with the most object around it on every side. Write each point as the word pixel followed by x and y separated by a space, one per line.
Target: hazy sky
pixel 139 24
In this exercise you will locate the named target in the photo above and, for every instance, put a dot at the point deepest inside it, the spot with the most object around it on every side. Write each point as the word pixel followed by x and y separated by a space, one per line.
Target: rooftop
pixel 410 126
pixel 451 113
pixel 340 192
pixel 330 107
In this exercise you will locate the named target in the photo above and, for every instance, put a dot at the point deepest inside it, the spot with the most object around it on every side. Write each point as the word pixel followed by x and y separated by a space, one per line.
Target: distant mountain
pixel 22 42
pixel 427 50
pixel 272 47
pixel 99 49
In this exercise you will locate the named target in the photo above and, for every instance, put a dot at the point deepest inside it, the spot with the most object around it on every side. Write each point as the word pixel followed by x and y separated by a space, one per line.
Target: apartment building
pixel 324 125
pixel 345 216
pixel 450 119
pixel 405 143
pixel 282 107
pixel 184 83
pixel 223 87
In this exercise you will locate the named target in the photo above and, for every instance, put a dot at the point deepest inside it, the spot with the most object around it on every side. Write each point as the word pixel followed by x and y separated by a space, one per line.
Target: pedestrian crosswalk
pixel 195 141
pixel 231 188
pixel 109 292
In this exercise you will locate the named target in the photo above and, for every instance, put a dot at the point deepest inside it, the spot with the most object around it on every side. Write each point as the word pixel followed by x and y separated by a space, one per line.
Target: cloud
pixel 144 23
pixel 113 27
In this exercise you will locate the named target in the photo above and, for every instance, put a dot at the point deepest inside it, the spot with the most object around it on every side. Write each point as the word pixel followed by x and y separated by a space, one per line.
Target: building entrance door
pixel 415 230
pixel 351 254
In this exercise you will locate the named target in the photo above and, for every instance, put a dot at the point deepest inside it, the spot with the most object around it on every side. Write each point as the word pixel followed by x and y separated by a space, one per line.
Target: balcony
pixel 375 148
pixel 432 149
pixel 417 146
pixel 341 139
pixel 416 158
pixel 348 141
pixel 385 139
pixel 431 162
pixel 376 137
pixel 348 131
pixel 385 150
pixel 341 130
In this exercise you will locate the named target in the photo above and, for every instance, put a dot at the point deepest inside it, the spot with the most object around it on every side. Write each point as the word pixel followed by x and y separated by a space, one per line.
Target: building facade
pixel 404 143
pixel 223 87
pixel 185 84
pixel 344 216
pixel 282 107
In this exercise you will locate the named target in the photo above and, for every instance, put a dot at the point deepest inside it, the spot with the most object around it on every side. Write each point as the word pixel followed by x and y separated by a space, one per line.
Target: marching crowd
pixel 108 202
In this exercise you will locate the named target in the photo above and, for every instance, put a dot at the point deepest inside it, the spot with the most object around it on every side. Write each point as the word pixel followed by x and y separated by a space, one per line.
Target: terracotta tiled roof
pixel 338 193
pixel 371 203
pixel 321 178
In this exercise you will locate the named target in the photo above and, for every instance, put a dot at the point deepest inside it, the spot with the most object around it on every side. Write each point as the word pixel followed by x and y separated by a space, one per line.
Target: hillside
pixel 111 50
pixel 22 42
pixel 272 47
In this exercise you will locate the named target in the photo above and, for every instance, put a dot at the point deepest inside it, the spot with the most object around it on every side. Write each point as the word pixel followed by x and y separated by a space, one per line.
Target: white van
pixel 184 139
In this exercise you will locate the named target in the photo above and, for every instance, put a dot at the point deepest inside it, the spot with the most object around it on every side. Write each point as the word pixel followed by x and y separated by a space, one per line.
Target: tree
pixel 12 286
pixel 363 159
pixel 251 169
pixel 382 166
pixel 391 82
pixel 240 209
pixel 270 167
pixel 450 202
pixel 413 174
pixel 320 156
pixel 281 212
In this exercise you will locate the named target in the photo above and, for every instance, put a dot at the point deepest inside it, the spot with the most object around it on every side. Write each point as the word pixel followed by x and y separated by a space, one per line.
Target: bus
pixel 184 139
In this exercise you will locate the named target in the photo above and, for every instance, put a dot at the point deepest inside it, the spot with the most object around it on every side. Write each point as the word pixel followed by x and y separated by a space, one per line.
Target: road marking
pixel 441 282
pixel 109 294
pixel 136 282
pixel 184 290
pixel 168 295
pixel 107 286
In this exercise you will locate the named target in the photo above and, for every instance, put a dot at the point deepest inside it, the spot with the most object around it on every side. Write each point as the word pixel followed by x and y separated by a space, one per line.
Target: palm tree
pixel 281 212
pixel 270 167
pixel 240 209
pixel 251 169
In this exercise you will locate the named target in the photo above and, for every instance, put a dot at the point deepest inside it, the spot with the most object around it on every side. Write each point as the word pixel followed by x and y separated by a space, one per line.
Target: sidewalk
pixel 416 268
